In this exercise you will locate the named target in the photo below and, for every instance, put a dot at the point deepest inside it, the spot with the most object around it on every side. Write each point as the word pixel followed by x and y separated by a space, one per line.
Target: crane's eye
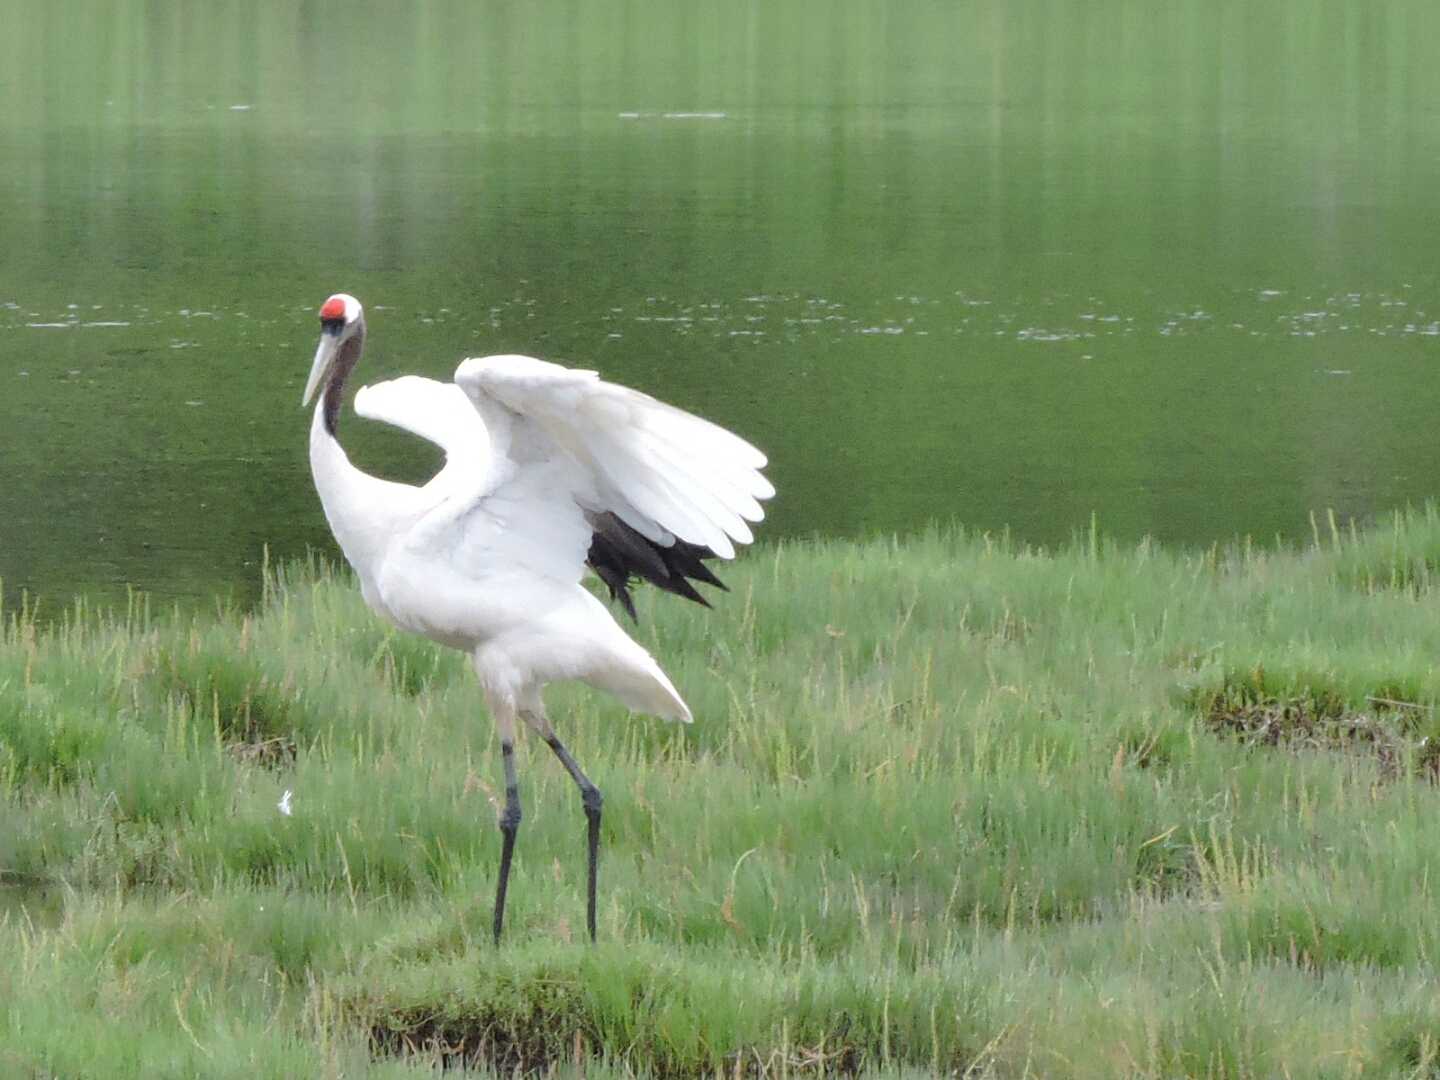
pixel 332 325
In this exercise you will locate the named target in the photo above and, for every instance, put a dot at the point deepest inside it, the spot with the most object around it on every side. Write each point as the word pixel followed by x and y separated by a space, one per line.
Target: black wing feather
pixel 620 555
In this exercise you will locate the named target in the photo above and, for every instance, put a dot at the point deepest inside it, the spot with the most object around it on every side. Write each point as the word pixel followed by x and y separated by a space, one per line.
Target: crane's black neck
pixel 346 357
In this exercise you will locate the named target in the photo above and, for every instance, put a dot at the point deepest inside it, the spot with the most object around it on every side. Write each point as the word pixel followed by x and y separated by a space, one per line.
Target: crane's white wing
pixel 486 514
pixel 439 412
pixel 664 472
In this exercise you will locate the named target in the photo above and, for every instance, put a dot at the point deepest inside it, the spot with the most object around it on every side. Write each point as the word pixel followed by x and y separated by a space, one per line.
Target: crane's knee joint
pixel 510 817
pixel 592 799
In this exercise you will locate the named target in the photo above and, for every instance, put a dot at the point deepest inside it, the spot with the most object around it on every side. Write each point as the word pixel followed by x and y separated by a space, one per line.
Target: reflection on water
pixel 1009 265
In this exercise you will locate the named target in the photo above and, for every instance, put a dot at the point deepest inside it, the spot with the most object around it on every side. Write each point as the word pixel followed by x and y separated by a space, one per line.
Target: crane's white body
pixel 489 555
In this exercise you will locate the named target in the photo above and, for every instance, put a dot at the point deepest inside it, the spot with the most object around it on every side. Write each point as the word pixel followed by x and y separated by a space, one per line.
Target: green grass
pixel 949 804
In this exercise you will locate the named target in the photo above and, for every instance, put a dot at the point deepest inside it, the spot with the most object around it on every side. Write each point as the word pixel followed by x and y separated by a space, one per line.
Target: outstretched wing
pixel 439 412
pixel 659 489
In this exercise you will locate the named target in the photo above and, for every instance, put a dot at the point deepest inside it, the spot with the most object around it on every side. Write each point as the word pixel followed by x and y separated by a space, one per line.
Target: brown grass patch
pixel 1324 721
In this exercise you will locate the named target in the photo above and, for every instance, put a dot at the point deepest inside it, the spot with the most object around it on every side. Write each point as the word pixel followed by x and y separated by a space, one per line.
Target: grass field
pixel 949 804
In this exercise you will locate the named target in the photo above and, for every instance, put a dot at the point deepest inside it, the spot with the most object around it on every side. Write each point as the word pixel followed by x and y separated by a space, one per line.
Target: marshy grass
pixel 950 805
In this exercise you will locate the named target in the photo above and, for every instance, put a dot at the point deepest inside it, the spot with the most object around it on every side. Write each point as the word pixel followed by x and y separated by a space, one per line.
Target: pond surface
pixel 1009 265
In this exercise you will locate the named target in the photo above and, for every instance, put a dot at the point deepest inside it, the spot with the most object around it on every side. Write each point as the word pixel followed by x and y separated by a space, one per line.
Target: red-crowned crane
pixel 547 470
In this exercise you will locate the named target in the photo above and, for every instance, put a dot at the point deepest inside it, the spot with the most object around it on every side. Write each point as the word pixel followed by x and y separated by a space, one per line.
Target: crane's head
pixel 341 318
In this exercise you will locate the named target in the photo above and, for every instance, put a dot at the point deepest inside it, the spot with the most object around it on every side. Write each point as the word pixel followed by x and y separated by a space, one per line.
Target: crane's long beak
pixel 324 361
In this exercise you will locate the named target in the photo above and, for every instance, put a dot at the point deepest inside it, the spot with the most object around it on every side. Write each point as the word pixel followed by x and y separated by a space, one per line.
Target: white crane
pixel 547 470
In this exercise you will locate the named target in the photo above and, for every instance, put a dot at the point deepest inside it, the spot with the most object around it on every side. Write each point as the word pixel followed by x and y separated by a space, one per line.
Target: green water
pixel 1010 264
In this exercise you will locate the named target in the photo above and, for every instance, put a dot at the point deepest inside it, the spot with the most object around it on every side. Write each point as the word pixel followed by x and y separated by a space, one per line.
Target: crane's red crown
pixel 334 308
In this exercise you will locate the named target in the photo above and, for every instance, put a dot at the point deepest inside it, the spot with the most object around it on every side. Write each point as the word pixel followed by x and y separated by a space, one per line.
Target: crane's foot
pixel 509 826
pixel 591 798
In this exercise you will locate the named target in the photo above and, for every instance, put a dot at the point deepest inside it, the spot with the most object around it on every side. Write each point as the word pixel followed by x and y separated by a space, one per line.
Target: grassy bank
pixel 948 804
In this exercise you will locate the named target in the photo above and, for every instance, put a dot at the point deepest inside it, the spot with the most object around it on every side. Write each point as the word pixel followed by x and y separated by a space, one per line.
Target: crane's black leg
pixel 509 826
pixel 590 796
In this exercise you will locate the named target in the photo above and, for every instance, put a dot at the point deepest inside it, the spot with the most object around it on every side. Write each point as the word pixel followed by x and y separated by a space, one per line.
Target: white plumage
pixel 546 468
